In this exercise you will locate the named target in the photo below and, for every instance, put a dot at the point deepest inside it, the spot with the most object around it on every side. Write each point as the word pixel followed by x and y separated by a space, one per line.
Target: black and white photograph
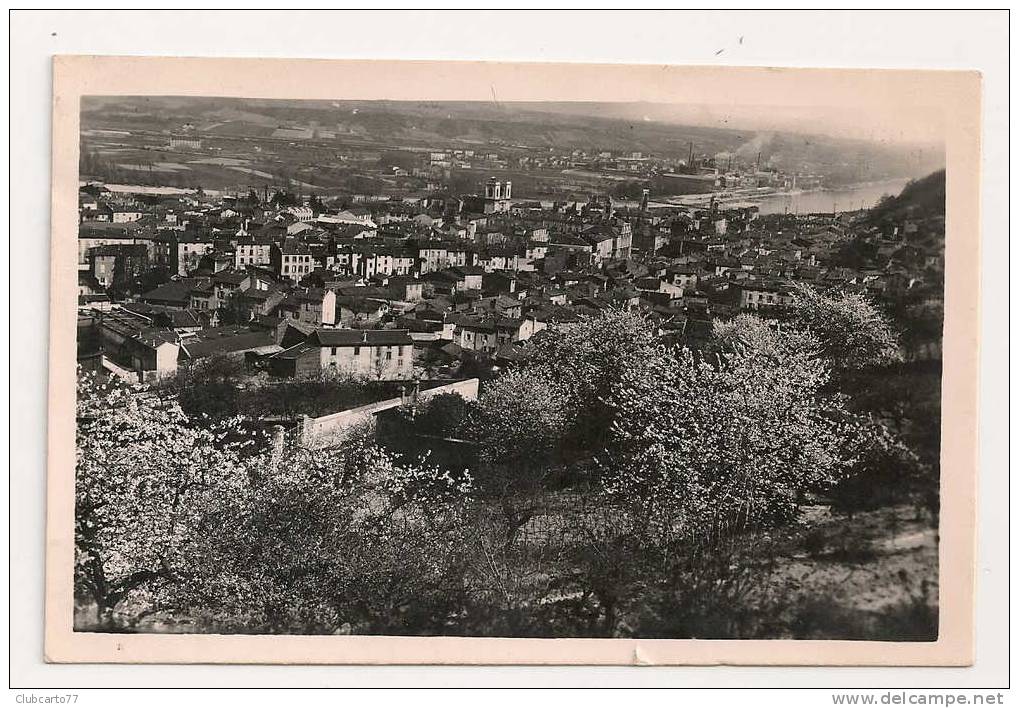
pixel 516 369
pixel 505 348
pixel 509 348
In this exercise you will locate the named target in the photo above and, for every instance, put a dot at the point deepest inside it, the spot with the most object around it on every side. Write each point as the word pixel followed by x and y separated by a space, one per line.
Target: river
pixel 860 196
pixel 851 198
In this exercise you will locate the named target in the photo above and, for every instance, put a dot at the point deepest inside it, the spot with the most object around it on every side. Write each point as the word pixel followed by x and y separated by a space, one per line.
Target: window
pixel 389 356
pixel 333 351
pixel 357 351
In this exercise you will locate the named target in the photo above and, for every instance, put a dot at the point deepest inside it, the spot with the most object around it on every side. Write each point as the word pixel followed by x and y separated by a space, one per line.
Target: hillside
pixel 922 197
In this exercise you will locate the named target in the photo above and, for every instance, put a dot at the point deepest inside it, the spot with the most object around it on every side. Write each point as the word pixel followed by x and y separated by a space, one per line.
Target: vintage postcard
pixel 482 363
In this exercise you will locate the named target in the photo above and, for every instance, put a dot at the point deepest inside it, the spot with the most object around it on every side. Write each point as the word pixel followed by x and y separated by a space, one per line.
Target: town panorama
pixel 482 369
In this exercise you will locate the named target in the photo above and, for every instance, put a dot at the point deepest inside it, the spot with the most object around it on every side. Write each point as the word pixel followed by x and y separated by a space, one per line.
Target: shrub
pixel 814 542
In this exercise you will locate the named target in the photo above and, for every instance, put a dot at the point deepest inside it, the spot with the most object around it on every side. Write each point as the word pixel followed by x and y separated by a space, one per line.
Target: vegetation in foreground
pixel 614 487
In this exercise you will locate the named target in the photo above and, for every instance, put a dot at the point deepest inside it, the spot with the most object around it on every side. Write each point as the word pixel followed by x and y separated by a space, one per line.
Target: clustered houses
pixel 402 288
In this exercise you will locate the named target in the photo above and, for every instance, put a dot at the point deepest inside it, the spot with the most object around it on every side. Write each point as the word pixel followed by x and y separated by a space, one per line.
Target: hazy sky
pixel 918 124
pixel 923 125
pixel 883 105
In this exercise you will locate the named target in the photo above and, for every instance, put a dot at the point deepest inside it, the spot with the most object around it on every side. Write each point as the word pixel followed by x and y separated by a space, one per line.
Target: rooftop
pixel 361 337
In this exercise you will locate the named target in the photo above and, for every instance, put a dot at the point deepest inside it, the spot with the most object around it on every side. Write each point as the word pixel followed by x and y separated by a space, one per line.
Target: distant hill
pixel 513 127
